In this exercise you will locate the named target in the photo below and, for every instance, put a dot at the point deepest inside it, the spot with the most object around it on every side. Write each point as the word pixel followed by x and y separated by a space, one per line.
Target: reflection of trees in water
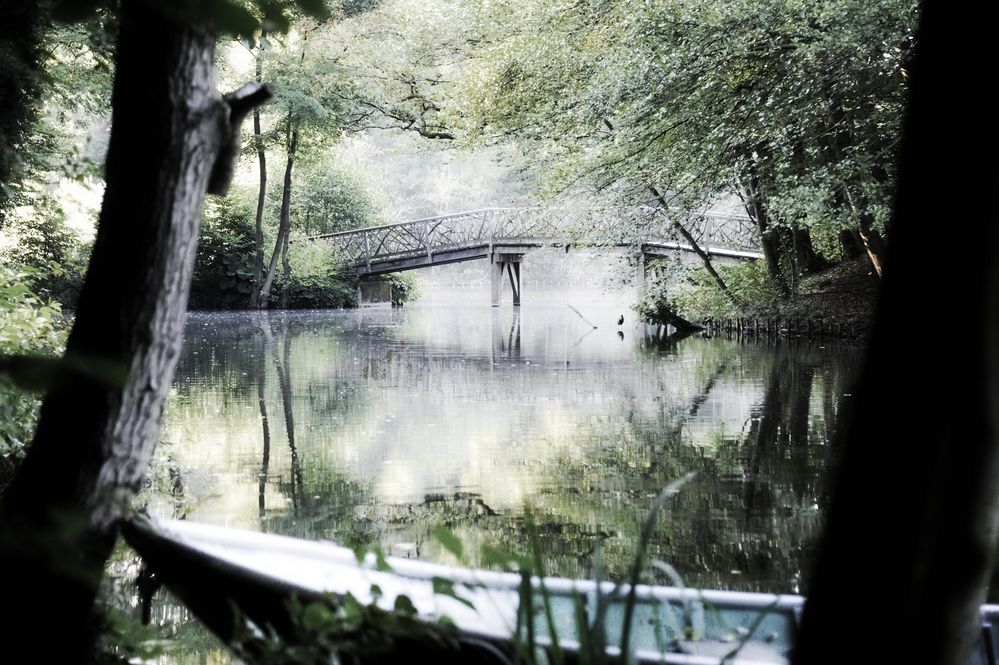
pixel 754 506
pixel 284 381
pixel 261 341
pixel 325 503
pixel 747 521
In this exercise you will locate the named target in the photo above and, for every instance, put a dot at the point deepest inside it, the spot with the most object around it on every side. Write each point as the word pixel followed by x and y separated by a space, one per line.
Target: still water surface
pixel 377 425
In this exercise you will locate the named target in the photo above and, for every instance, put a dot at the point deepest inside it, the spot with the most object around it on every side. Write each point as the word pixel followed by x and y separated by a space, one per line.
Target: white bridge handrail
pixel 420 240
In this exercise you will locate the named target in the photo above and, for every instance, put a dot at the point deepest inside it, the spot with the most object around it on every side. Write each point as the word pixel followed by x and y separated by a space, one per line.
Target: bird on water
pixel 620 320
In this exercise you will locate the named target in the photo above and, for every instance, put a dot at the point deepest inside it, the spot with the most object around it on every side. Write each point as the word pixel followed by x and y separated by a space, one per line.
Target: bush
pixel 223 268
pixel 699 298
pixel 676 286
pixel 404 287
pixel 48 252
pixel 28 325
pixel 315 281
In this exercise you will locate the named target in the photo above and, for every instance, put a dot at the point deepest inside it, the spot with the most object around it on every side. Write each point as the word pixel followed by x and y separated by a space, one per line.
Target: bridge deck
pixel 479 234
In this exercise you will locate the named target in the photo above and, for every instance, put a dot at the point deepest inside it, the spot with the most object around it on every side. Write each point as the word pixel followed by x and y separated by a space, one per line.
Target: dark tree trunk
pixel 94 436
pixel 805 256
pixel 849 244
pixel 869 237
pixel 913 523
pixel 284 227
pixel 284 379
pixel 263 340
pixel 769 236
pixel 258 237
pixel 285 271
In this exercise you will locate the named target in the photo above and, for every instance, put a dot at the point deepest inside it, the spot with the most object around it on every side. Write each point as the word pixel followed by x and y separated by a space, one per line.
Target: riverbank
pixel 837 302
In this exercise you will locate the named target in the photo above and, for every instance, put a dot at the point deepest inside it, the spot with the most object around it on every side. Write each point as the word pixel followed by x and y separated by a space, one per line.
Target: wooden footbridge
pixel 504 235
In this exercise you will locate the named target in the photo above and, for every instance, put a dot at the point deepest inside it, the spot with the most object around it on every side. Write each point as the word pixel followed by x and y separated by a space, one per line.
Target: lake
pixel 372 427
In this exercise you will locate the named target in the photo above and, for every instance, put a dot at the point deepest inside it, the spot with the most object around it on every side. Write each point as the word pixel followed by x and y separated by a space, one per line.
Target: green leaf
pixel 450 541
pixel 380 562
pixel 230 17
pixel 316 616
pixel 445 587
pixel 275 19
pixel 71 11
pixel 36 373
pixel 404 605
pixel 314 8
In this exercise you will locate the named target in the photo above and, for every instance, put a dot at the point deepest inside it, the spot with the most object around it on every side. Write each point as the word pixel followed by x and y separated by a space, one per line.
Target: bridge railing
pixel 475 228
pixel 433 234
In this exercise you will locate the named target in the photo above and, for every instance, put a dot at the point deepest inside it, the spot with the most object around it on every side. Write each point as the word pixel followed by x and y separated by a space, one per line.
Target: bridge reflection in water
pixel 504 235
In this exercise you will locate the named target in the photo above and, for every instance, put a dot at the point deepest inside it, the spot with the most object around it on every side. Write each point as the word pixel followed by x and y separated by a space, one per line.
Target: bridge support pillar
pixel 500 264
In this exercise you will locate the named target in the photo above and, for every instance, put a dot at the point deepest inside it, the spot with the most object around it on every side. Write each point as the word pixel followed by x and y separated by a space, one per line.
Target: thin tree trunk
pixel 769 236
pixel 871 239
pixel 95 436
pixel 258 238
pixel 284 379
pixel 915 513
pixel 262 342
pixel 285 271
pixel 705 259
pixel 284 228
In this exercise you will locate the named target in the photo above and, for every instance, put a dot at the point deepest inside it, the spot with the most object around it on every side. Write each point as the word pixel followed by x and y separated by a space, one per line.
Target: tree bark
pixel 869 237
pixel 805 256
pixel 258 238
pixel 95 435
pixel 284 227
pixel 849 244
pixel 913 523
pixel 285 271
pixel 769 236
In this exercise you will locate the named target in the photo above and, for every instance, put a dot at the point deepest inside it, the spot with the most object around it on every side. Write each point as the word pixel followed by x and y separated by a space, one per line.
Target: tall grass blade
pixel 539 565
pixel 636 570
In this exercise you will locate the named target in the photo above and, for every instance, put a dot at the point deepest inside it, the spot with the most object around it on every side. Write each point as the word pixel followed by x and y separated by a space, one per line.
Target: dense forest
pixel 114 129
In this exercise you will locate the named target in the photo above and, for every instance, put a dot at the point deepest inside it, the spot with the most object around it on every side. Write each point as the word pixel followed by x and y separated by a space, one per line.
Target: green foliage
pixel 54 88
pixel 679 287
pixel 316 281
pixel 698 298
pixel 404 287
pixel 329 199
pixel 402 56
pixel 45 248
pixel 793 105
pixel 243 19
pixel 223 268
pixel 657 299
pixel 342 631
pixel 28 325
pixel 124 639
